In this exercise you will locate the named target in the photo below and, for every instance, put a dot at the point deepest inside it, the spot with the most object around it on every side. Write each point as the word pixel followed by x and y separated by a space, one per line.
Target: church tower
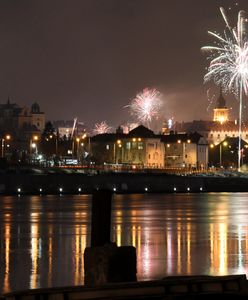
pixel 221 112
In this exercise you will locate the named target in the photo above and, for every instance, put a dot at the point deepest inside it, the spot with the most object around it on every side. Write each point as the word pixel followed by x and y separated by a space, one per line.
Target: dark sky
pixel 88 58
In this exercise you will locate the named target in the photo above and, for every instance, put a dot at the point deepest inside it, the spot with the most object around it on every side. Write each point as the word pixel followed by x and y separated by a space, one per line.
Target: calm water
pixel 42 238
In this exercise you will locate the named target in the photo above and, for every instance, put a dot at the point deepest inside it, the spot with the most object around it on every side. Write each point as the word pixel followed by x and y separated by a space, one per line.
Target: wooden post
pixel 101 217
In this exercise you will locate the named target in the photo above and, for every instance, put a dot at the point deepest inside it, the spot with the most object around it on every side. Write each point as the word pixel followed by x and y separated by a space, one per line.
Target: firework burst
pixel 228 66
pixel 101 128
pixel 146 105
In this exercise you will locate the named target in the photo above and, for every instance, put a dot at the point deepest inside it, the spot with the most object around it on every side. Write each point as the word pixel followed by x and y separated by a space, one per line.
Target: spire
pixel 221 102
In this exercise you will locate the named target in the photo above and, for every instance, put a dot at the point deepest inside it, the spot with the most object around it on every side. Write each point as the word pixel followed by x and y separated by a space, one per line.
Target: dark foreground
pixel 186 287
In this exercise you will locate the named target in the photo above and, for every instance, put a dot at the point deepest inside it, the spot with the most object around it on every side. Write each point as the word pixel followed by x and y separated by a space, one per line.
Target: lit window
pixel 128 145
pixel 107 147
pixel 134 145
pixel 140 145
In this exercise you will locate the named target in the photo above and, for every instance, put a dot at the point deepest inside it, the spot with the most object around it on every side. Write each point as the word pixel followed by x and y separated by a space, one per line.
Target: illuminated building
pixel 185 150
pixel 21 123
pixel 218 129
pixel 67 128
pixel 141 147
pixel 221 112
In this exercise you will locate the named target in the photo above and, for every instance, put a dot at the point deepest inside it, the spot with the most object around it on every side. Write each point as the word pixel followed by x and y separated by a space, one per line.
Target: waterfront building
pixel 185 150
pixel 140 147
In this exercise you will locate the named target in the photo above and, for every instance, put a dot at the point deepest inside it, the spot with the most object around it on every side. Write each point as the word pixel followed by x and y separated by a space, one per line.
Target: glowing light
pixel 228 66
pixel 170 123
pixel 146 106
pixel 101 128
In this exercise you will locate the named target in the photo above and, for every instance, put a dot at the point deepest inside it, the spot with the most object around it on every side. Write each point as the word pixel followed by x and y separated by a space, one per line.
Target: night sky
pixel 88 58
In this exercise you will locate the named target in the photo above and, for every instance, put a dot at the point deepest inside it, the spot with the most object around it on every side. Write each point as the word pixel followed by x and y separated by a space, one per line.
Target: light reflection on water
pixel 42 238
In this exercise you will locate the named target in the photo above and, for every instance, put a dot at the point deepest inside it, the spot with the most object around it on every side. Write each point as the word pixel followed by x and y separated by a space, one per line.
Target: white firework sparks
pixel 228 66
pixel 229 57
pixel 146 105
pixel 101 128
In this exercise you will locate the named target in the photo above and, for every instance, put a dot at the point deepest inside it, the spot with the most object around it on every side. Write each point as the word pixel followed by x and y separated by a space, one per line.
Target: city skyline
pixel 75 57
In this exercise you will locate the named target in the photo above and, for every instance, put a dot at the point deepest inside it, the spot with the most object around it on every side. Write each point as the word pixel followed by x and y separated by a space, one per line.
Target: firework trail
pixel 210 99
pixel 146 106
pixel 101 128
pixel 228 66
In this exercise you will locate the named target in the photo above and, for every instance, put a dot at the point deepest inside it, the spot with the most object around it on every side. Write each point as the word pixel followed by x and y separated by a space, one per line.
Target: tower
pixel 221 112
pixel 38 117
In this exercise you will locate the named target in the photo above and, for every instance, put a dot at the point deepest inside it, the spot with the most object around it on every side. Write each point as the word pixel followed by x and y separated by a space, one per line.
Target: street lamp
pixel 6 138
pixel 224 144
pixel 56 142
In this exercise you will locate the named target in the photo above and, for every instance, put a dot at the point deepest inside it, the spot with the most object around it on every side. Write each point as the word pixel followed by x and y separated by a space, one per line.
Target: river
pixel 42 238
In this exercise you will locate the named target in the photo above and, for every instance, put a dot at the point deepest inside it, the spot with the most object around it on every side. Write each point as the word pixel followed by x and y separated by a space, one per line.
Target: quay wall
pixel 117 182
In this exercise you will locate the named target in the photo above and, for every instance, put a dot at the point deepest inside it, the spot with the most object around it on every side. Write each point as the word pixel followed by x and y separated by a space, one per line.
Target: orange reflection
pixel 118 235
pixel 50 254
pixel 134 236
pixel 80 244
pixel 218 248
pixel 188 248
pixel 7 236
pixel 179 248
pixel 35 245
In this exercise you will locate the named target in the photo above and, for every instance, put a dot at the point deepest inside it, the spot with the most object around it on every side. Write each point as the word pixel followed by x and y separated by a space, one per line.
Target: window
pixel 128 145
pixel 140 145
pixel 107 147
pixel 134 145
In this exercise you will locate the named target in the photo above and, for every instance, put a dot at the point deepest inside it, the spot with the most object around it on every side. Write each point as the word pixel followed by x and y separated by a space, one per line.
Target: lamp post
pixel 224 144
pixel 78 140
pixel 56 142
pixel 6 138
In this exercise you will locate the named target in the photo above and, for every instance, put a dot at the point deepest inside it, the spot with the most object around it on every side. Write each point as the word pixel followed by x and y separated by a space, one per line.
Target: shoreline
pixel 122 183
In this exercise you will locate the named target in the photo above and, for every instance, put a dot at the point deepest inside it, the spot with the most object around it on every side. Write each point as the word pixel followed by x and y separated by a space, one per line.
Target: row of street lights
pixel 222 146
